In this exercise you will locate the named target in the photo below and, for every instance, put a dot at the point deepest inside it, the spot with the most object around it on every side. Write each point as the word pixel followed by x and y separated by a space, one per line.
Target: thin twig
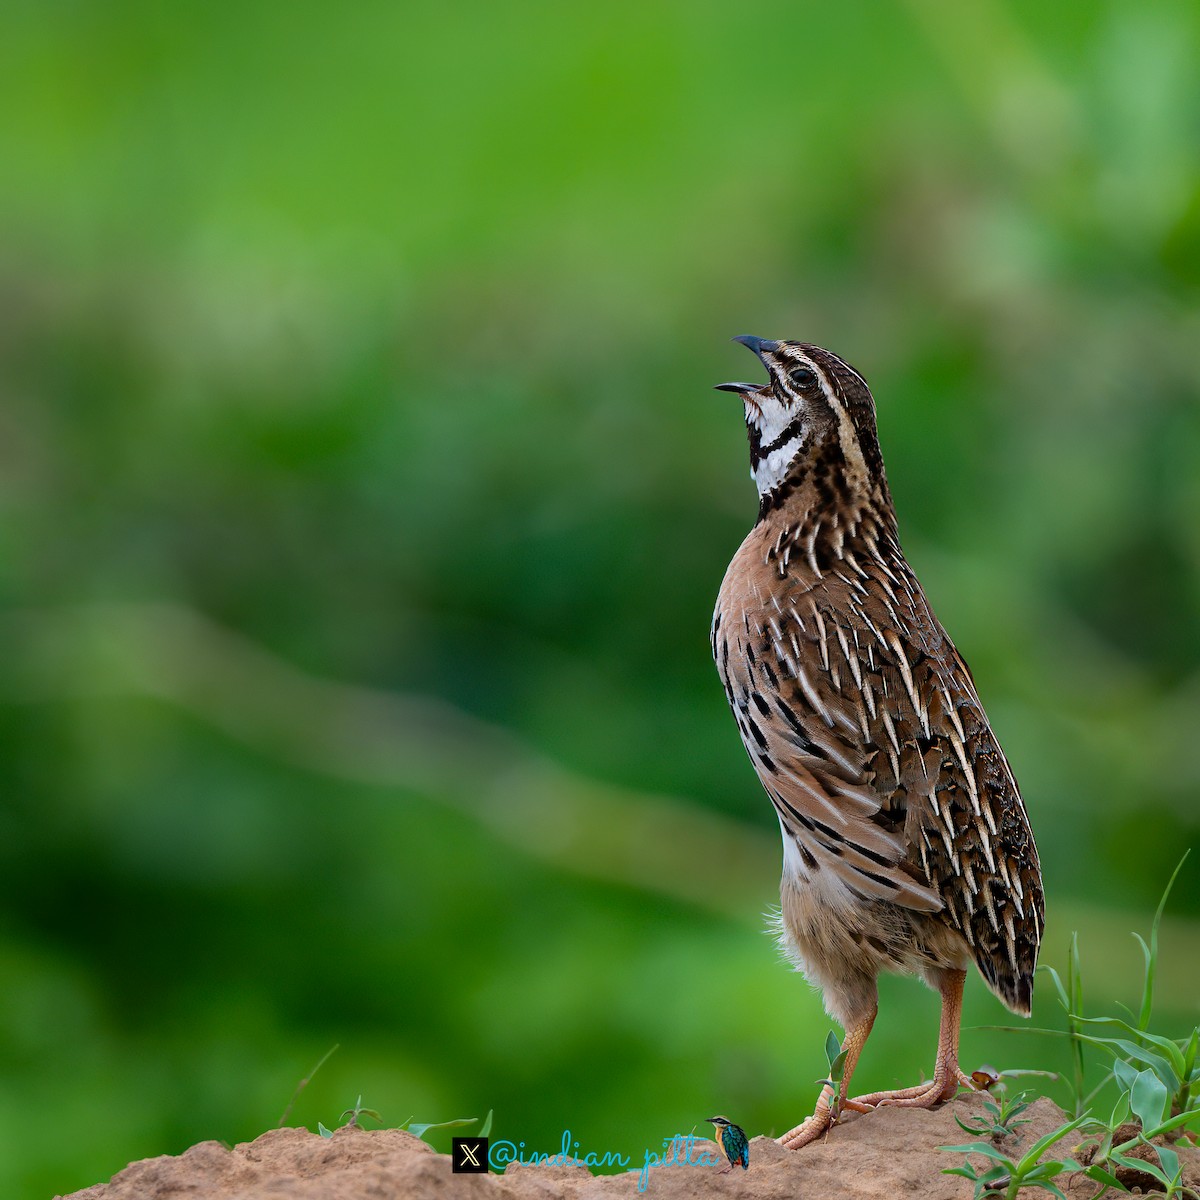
pixel 287 1112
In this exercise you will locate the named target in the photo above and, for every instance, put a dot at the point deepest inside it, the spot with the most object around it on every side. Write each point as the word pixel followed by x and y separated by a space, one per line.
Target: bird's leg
pixel 947 1074
pixel 824 1114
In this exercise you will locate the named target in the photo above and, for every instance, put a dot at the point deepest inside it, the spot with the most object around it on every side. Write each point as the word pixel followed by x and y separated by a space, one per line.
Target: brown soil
pixel 883 1155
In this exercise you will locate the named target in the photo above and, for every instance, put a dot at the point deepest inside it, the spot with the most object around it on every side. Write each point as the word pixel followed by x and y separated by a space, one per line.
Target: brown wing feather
pixel 864 726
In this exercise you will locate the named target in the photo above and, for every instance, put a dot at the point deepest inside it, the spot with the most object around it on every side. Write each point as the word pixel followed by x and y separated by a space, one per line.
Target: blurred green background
pixel 363 501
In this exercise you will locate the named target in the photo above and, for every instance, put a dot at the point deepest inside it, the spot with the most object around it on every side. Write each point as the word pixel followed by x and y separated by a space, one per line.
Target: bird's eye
pixel 803 378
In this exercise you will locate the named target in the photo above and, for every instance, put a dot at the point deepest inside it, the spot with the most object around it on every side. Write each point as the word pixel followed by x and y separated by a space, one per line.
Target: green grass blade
pixel 1075 993
pixel 1174 1055
pixel 287 1112
pixel 1044 1143
pixel 1056 979
pixel 1168 1068
pixel 1151 951
pixel 984 1148
pixel 422 1128
pixel 1191 1077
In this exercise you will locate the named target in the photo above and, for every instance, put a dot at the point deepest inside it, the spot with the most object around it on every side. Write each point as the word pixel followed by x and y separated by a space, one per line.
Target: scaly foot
pixel 812 1128
pixel 947 1079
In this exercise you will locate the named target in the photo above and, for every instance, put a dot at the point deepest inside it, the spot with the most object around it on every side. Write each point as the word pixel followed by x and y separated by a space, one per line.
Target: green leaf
pixel 832 1048
pixel 1100 1175
pixel 1175 1122
pixel 992 1178
pixel 1170 1048
pixel 966 1171
pixel 1149 963
pixel 836 1057
pixel 1044 1143
pixel 325 1133
pixel 1045 1185
pixel 1170 1162
pixel 487 1124
pixel 1163 1068
pixel 1138 1164
pixel 421 1129
pixel 837 1068
pixel 984 1148
pixel 1149 1098
pixel 1190 1052
pixel 358 1111
pixel 1050 1168
pixel 1125 1073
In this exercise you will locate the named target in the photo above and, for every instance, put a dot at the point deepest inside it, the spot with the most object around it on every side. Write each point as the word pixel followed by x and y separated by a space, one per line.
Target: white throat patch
pixel 770 419
pixel 773 470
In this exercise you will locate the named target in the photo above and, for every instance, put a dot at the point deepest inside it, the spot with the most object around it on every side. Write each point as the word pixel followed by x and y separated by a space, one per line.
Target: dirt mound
pixel 886 1154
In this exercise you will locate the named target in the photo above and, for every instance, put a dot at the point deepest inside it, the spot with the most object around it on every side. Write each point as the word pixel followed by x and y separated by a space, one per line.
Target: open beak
pixel 760 346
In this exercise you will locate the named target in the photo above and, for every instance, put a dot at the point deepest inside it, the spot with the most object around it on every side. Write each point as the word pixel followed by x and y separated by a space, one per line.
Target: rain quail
pixel 905 841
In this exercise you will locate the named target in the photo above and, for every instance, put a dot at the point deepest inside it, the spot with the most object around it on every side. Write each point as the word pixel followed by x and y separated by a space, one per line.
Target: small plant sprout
pixel 1008 1176
pixel 356 1112
pixel 1000 1121
pixel 836 1058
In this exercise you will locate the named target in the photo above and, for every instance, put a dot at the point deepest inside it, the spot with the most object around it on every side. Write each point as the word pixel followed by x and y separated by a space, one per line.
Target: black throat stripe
pixel 791 430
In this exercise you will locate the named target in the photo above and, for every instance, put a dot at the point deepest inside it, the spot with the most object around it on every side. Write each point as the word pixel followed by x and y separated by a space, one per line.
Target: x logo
pixel 469 1156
